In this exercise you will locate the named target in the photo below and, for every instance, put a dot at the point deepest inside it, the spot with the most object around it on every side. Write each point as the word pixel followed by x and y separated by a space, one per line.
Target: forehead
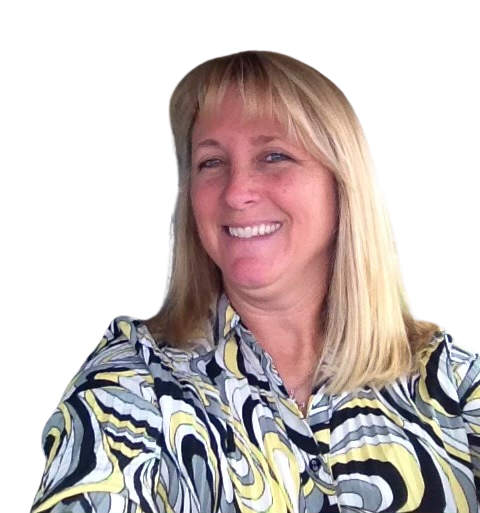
pixel 232 116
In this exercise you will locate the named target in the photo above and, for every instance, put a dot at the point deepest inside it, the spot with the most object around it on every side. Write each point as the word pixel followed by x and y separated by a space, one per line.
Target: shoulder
pixel 449 369
pixel 123 422
pixel 117 360
pixel 107 424
pixel 130 359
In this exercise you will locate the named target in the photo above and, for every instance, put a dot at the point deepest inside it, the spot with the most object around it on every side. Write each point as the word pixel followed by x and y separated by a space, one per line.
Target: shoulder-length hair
pixel 370 337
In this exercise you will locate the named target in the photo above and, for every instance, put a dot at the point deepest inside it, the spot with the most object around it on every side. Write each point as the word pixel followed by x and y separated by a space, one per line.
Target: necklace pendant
pixel 301 406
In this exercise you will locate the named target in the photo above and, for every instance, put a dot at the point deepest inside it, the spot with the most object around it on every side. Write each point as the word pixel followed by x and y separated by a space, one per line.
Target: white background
pixel 88 171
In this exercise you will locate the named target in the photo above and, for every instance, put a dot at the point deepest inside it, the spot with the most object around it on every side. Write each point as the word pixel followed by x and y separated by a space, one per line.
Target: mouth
pixel 247 232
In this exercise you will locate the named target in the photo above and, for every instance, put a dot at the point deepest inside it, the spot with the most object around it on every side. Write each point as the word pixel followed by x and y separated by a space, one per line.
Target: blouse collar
pixel 227 325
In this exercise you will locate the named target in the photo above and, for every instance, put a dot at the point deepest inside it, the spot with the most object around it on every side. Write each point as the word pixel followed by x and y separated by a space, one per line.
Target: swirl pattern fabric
pixel 147 428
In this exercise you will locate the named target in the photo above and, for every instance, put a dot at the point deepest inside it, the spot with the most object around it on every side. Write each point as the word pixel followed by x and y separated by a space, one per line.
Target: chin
pixel 248 276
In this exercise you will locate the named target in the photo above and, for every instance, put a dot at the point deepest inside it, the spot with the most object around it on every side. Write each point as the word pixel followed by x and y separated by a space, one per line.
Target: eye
pixel 210 163
pixel 276 157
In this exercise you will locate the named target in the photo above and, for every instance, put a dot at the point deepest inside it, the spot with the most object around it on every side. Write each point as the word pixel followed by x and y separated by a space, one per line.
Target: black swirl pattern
pixel 149 429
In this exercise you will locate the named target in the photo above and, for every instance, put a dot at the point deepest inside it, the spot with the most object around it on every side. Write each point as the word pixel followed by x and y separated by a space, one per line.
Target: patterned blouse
pixel 146 428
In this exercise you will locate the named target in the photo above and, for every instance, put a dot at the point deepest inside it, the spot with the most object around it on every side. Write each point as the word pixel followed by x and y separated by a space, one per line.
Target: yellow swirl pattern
pixel 147 428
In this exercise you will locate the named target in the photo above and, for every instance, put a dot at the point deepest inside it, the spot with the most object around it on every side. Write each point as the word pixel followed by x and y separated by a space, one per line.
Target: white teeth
pixel 254 231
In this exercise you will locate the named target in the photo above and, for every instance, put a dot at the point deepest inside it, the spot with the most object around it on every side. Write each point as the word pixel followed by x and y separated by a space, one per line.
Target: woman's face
pixel 265 209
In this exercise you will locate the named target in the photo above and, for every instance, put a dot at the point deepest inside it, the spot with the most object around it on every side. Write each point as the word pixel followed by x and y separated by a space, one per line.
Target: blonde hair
pixel 370 337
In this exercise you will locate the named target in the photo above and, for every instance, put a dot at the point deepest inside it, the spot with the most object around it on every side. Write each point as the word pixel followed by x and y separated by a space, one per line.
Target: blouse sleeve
pixel 102 443
pixel 469 393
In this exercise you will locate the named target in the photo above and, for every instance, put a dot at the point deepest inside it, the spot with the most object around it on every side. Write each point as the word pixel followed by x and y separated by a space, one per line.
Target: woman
pixel 284 372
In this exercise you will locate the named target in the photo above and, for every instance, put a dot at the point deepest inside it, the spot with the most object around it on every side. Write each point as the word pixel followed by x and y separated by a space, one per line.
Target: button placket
pixel 319 421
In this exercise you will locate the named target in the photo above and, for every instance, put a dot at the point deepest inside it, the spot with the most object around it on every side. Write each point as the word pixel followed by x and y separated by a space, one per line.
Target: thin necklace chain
pixel 301 406
pixel 291 392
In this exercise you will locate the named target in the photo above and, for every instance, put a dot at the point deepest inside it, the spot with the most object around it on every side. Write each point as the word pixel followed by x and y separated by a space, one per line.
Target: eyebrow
pixel 255 141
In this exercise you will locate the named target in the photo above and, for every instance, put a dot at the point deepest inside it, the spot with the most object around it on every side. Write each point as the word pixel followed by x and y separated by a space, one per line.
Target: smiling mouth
pixel 248 232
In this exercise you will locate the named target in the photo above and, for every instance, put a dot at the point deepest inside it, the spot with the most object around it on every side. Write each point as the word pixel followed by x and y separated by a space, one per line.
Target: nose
pixel 242 188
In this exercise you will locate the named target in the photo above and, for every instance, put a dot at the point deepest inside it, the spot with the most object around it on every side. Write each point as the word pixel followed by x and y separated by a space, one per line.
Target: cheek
pixel 320 205
pixel 330 212
pixel 201 218
pixel 199 202
pixel 204 206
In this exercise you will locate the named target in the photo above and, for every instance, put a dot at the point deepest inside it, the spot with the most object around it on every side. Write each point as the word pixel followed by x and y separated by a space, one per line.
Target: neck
pixel 289 328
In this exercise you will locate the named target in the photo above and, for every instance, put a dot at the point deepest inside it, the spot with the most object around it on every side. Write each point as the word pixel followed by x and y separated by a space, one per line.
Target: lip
pixel 252 223
pixel 226 231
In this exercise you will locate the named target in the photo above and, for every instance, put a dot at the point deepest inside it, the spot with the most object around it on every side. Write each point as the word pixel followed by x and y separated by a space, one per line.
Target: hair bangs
pixel 259 85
